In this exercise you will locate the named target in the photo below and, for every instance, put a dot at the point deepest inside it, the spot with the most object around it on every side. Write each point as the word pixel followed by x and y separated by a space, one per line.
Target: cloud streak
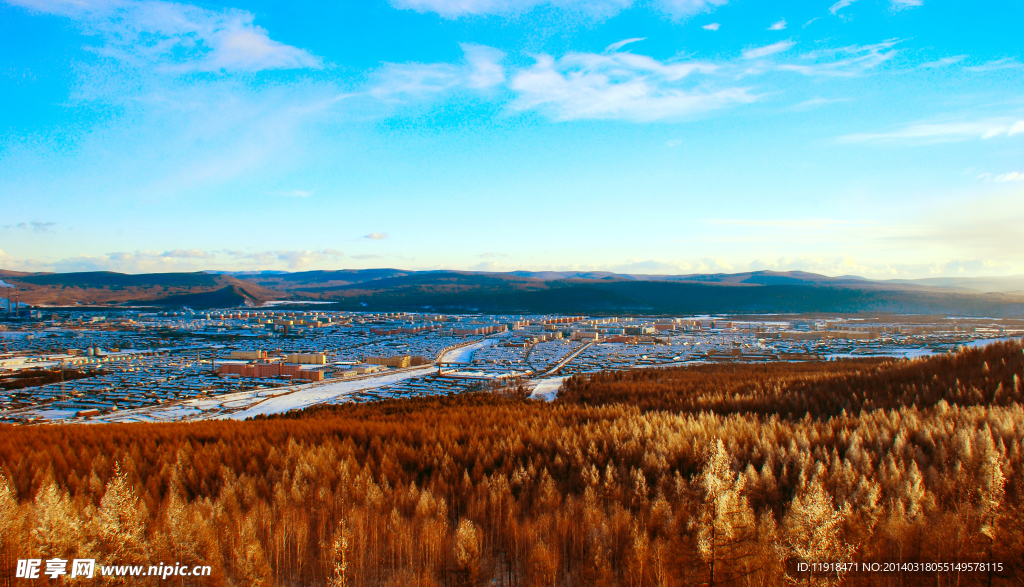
pixel 482 69
pixel 454 9
pixel 178 38
pixel 848 61
pixel 184 260
pixel 614 84
pixel 943 132
pixel 835 8
pixel 616 46
pixel 944 62
pixel 904 4
pixel 1012 176
pixel 620 86
pixel 35 225
pixel 768 50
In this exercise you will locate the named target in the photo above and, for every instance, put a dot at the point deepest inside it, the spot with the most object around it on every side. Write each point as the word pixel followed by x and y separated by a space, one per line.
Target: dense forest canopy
pixel 708 475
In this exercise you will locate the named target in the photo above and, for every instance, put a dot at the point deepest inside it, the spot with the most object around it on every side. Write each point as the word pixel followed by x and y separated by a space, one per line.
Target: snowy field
pixel 465 354
pixel 318 394
pixel 547 389
pixel 238 406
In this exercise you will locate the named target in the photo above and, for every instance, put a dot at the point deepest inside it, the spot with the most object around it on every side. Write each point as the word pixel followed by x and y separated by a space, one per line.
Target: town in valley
pixel 146 364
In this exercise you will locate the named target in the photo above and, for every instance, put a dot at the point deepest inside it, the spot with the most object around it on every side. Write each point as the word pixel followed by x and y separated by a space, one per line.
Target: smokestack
pixel 5 285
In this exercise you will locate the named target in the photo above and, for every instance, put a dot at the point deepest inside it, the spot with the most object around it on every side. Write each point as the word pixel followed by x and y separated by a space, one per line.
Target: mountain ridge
pixel 522 291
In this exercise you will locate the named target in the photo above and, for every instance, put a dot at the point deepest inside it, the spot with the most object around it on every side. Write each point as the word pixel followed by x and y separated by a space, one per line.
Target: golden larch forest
pixel 728 474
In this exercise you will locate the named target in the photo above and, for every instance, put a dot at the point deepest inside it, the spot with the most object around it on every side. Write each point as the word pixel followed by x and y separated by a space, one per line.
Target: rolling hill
pixel 522 292
pixel 158 289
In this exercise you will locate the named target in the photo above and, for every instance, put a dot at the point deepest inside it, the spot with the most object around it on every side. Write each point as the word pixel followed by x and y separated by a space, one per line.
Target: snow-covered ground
pixel 464 354
pixel 238 406
pixel 547 389
pixel 917 352
pixel 983 342
pixel 484 374
pixel 568 359
pixel 318 394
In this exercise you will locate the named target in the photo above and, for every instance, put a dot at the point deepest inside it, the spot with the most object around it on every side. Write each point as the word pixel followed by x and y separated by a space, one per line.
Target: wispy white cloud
pixel 187 254
pixel 415 80
pixel 452 9
pixel 816 102
pixel 874 269
pixel 489 266
pixel 996 65
pixel 943 132
pixel 848 61
pixel 485 69
pixel 653 267
pixel 618 86
pixel 835 8
pixel 714 26
pixel 297 194
pixel 778 25
pixel 146 261
pixel 176 37
pixel 35 225
pixel 616 46
pixel 768 50
pixel 297 259
pixel 943 62
pixel 12 263
pixel 481 70
pixel 834 266
pixel 902 4
pixel 1012 176
pixel 666 267
pixel 686 8
pixel 180 260
pixel 292 259
pixel 377 236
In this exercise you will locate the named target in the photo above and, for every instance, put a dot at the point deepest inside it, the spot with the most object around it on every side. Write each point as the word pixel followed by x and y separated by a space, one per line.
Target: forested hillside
pixel 713 475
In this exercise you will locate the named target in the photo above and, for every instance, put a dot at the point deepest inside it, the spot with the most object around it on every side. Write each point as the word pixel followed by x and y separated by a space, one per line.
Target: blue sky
pixel 877 138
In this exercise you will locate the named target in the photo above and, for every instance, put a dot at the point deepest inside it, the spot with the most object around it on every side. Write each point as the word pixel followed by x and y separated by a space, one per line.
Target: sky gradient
pixel 875 138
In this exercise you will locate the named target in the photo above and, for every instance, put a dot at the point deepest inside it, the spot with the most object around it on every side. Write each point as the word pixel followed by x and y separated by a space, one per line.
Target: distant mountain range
pixel 531 292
